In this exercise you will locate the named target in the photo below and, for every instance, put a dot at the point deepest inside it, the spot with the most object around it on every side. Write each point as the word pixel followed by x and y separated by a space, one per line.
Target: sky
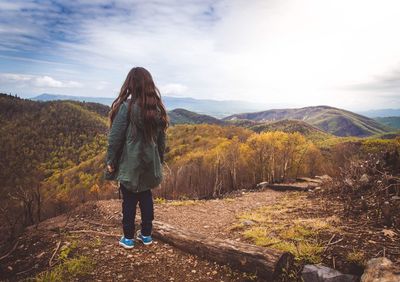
pixel 342 53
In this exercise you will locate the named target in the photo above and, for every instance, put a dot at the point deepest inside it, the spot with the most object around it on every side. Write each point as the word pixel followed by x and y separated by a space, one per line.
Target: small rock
pixel 364 178
pixel 349 182
pixel 10 268
pixel 380 270
pixel 120 276
pixel 318 273
pixel 194 271
pixel 248 223
pixel 129 256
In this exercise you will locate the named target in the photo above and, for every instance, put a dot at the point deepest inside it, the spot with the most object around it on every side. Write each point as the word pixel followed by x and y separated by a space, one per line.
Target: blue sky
pixel 343 53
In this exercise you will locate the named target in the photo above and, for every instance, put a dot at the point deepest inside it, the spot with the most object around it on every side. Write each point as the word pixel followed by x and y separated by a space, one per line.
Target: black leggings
pixel 129 203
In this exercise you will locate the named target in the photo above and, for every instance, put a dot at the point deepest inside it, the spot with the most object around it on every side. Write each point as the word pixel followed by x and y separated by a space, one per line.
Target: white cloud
pixel 174 89
pixel 24 80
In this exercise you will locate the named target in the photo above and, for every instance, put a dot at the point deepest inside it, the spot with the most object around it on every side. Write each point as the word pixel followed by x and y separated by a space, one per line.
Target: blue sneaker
pixel 147 240
pixel 126 243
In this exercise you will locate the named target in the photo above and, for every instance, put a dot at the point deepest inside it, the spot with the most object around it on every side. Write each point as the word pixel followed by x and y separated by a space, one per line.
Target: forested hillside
pixel 289 126
pixel 39 139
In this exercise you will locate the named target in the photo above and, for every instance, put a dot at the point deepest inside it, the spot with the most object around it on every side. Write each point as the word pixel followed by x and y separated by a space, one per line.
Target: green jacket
pixel 138 164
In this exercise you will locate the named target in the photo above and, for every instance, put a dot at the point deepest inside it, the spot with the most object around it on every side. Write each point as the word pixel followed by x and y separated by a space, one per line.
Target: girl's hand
pixel 109 168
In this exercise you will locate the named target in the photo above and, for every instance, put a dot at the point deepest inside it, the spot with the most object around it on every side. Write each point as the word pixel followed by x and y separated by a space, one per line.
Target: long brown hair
pixel 140 86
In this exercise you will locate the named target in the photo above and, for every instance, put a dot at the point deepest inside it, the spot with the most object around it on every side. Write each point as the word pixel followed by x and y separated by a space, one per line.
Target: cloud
pixel 23 80
pixel 304 52
pixel 388 84
pixel 174 89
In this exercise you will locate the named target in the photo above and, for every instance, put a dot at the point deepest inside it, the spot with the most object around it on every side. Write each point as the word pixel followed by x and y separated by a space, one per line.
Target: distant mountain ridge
pixel 214 108
pixel 381 113
pixel 393 122
pixel 336 121
pixel 182 116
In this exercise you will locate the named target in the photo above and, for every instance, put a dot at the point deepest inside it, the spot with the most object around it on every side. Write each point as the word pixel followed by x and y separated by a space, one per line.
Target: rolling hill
pixel 393 122
pixel 182 116
pixel 329 119
pixel 289 126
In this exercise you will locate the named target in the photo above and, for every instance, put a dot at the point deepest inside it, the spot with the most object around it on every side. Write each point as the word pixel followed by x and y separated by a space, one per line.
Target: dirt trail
pixel 211 217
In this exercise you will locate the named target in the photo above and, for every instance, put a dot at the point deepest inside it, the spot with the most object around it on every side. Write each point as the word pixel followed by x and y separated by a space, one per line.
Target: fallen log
pixel 308 179
pixel 297 186
pixel 267 263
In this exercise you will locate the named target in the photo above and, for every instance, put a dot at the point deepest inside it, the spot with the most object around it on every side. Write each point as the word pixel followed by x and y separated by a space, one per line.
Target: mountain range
pixel 328 119
pixel 332 120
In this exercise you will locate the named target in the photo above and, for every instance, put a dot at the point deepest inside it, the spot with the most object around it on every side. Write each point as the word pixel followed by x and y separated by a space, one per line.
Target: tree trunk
pixel 267 263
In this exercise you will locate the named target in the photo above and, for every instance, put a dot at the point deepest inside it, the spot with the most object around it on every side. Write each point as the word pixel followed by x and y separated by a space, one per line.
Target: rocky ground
pixel 82 245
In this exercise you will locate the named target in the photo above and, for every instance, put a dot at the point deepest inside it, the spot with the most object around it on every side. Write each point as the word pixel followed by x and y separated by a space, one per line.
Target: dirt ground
pixel 88 251
pixel 108 261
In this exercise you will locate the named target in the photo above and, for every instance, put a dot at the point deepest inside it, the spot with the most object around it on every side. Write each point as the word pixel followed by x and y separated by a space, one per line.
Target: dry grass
pixel 287 226
pixel 183 203
pixel 356 257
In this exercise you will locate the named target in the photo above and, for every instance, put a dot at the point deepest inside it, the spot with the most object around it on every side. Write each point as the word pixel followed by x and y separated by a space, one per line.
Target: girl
pixel 135 153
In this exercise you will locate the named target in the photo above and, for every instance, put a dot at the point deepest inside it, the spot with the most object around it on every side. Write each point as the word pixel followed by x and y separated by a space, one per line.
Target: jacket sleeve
pixel 161 144
pixel 116 136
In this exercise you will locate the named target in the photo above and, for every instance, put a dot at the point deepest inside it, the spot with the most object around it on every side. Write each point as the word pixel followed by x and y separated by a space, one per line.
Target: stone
pixel 364 178
pixel 380 270
pixel 248 223
pixel 320 273
pixel 348 181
